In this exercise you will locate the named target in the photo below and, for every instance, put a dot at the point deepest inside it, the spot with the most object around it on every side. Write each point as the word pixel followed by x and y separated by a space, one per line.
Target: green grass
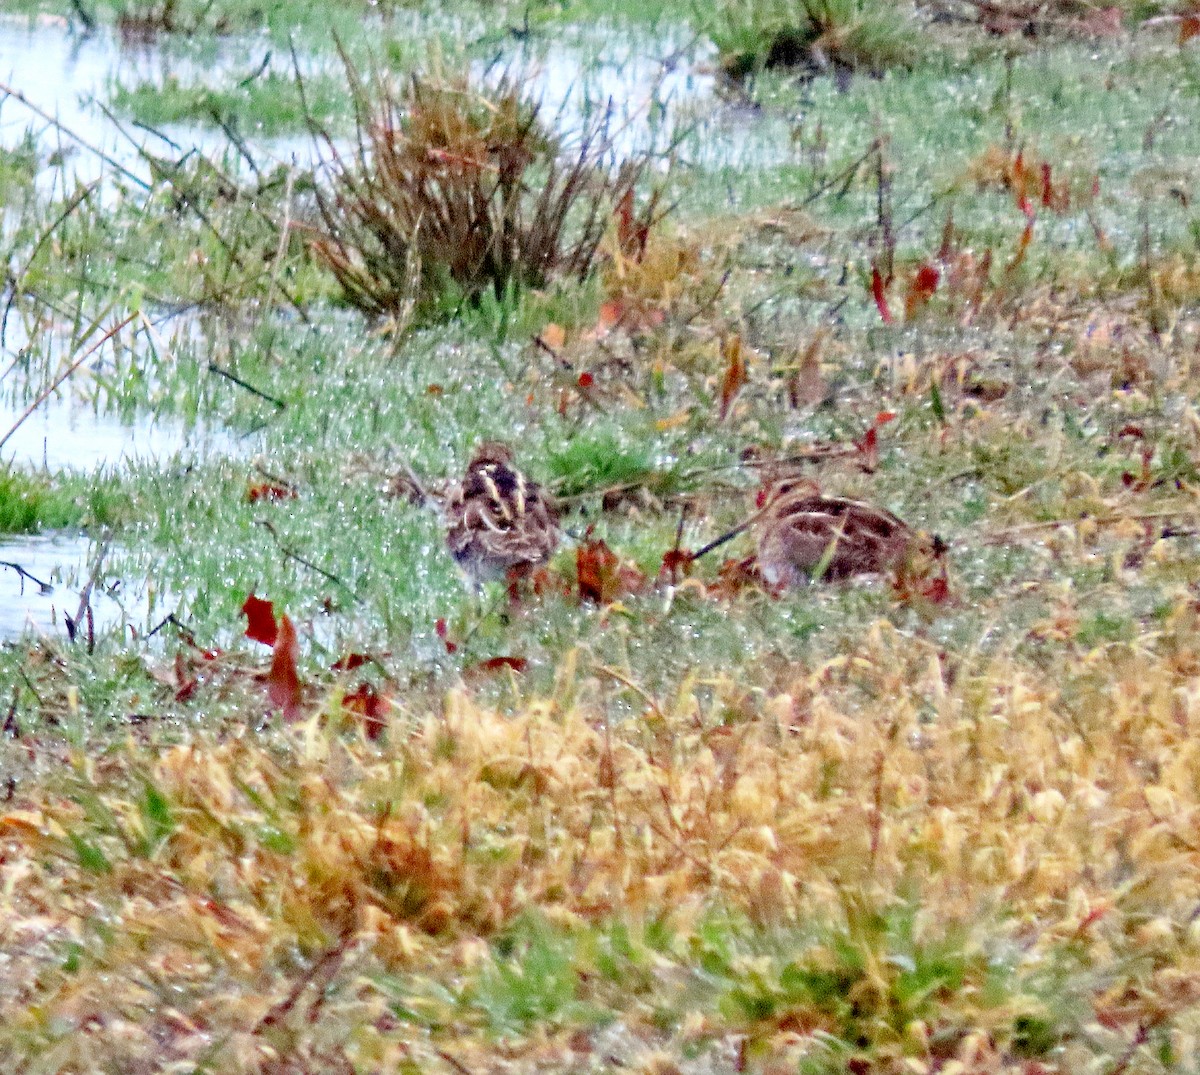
pixel 268 105
pixel 851 827
pixel 862 35
pixel 30 503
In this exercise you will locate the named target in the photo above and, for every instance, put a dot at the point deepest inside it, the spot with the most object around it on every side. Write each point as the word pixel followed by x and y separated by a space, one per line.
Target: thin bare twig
pixel 220 371
pixel 9 91
pixel 62 377
pixel 43 587
pixel 291 554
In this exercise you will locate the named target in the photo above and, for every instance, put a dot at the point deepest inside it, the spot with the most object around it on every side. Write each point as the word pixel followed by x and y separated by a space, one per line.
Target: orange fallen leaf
pixel 735 374
pixel 283 679
pixel 269 491
pixel 611 313
pixel 735 577
pixel 920 290
pixel 600 575
pixel 497 664
pixel 370 706
pixel 1022 248
pixel 553 336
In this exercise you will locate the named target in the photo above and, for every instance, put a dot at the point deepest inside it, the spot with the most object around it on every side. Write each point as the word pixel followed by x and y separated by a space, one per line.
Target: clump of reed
pixel 457 186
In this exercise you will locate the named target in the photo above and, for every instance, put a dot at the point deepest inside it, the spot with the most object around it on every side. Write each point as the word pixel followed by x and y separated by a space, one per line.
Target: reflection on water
pixel 65 433
pixel 41 579
pixel 63 73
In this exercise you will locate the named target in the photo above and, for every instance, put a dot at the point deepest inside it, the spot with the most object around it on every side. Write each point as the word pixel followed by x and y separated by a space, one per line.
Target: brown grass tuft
pixel 463 187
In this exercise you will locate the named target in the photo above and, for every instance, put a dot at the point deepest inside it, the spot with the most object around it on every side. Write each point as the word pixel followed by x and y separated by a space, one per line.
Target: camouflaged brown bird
pixel 803 535
pixel 497 520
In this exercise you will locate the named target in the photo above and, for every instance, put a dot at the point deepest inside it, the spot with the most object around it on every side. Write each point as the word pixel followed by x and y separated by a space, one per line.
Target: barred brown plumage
pixel 803 534
pixel 497 519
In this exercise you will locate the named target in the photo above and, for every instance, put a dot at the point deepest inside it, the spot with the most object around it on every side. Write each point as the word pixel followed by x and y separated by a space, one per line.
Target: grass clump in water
pixel 30 503
pixel 266 105
pixel 461 187
pixel 846 35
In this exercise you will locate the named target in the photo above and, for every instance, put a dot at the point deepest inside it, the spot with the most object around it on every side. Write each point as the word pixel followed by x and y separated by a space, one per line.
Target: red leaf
pixel 869 444
pixel 870 448
pixel 351 661
pixel 920 290
pixel 260 615
pixel 371 706
pixel 187 682
pixel 675 562
pixel 1047 186
pixel 1017 175
pixel 1189 27
pixel 496 664
pixel 600 575
pixel 442 632
pixel 735 374
pixel 878 293
pixel 586 380
pixel 937 590
pixel 269 491
pixel 283 680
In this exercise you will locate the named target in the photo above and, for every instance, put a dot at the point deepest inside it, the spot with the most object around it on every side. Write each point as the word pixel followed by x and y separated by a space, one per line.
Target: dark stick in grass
pixel 220 371
pixel 726 537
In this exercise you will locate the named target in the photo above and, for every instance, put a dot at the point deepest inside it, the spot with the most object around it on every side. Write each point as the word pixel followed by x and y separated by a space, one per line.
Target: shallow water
pixel 62 562
pixel 66 433
pixel 651 85
pixel 64 73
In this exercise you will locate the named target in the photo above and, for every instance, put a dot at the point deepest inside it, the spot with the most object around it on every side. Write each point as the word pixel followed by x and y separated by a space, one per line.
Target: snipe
pixel 497 520
pixel 804 534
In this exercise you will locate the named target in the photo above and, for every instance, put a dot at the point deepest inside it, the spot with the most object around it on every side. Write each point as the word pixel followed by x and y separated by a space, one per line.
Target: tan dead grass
pixel 238 914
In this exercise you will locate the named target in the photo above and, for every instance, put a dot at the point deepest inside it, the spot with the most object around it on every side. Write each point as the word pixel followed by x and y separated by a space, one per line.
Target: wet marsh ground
pixel 643 816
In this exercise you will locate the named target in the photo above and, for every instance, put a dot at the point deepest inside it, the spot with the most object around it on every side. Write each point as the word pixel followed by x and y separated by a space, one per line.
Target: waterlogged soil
pixel 67 76
pixel 42 582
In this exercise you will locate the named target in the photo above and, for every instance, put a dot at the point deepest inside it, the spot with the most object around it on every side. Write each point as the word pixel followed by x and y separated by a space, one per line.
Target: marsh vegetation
pixel 281 794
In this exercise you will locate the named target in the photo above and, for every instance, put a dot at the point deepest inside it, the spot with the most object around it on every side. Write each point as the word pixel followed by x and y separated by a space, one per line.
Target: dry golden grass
pixel 235 898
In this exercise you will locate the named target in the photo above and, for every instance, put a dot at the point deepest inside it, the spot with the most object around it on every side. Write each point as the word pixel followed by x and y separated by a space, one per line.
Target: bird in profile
pixel 497 520
pixel 803 534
